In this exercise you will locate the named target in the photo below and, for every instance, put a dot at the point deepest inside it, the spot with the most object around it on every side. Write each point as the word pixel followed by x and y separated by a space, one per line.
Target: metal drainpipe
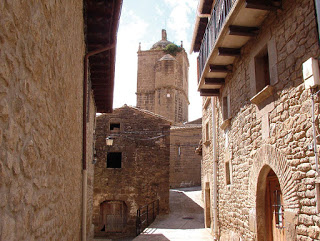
pixel 215 171
pixel 84 136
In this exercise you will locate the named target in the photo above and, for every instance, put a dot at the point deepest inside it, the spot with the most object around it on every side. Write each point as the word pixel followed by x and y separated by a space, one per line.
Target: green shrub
pixel 172 49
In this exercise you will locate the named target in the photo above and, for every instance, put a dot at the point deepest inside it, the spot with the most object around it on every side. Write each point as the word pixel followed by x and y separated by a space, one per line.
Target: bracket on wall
pixel 209 92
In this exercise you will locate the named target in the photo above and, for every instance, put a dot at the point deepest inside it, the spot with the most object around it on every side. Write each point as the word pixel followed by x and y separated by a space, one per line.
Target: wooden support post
pixel 209 92
pixel 220 68
pixel 214 81
pixel 228 51
pixel 263 5
pixel 243 30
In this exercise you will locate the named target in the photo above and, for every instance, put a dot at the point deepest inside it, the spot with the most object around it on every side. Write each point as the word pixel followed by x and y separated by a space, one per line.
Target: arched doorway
pixel 113 216
pixel 270 210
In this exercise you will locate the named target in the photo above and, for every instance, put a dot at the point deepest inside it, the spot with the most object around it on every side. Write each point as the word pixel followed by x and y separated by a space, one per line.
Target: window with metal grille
pixel 278 209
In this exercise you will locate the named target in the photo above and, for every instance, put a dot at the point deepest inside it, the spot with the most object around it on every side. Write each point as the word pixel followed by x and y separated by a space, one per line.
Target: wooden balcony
pixel 231 25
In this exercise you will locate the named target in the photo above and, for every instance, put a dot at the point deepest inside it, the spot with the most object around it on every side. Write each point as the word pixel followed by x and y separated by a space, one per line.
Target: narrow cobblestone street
pixel 185 221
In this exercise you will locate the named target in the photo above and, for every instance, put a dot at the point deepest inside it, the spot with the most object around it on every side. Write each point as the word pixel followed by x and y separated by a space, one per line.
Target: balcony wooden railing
pixel 219 14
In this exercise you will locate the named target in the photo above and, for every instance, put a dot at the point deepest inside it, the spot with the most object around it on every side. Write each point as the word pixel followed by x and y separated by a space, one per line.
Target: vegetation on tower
pixel 172 49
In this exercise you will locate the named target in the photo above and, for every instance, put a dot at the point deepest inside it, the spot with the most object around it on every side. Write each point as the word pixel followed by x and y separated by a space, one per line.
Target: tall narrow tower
pixel 162 85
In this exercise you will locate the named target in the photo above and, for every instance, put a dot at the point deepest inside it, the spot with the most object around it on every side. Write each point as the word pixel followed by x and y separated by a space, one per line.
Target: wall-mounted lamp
pixel 94 159
pixel 109 141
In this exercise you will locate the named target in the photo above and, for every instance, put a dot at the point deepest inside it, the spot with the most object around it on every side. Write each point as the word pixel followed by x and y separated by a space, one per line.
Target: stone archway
pixel 268 158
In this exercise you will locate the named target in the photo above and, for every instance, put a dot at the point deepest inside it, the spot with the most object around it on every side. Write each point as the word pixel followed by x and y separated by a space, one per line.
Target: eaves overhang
pixel 102 20
pixel 203 14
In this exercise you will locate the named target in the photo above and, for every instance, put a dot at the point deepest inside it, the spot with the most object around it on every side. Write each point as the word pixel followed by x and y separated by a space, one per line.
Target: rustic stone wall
pixel 91 125
pixel 274 134
pixel 41 70
pixel 185 164
pixel 144 173
pixel 162 84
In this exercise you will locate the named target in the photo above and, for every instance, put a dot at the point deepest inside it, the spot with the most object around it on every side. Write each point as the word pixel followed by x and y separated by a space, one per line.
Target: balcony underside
pixel 241 24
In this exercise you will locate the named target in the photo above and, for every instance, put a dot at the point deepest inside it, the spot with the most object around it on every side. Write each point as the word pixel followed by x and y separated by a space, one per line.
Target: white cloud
pixel 181 18
pixel 181 24
pixel 159 11
pixel 131 31
pixel 146 28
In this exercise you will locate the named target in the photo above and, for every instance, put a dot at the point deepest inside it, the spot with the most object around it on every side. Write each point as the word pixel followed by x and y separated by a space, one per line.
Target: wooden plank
pixel 220 68
pixel 209 92
pixel 243 30
pixel 229 51
pixel 214 81
pixel 263 5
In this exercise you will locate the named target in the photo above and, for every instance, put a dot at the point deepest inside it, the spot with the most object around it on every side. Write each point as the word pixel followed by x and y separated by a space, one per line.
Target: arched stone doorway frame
pixel 265 159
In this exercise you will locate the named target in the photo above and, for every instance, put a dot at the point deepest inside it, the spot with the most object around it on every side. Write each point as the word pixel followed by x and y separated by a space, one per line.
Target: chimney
pixel 164 34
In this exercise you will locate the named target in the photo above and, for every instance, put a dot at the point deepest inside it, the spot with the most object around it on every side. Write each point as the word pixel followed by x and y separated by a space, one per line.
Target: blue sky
pixel 142 21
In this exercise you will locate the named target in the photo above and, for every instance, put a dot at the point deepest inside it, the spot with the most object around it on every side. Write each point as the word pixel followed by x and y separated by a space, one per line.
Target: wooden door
pixel 275 211
pixel 207 206
pixel 113 216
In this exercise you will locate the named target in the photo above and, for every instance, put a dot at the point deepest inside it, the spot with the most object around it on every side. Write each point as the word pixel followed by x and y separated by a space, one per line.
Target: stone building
pixel 162 85
pixel 131 173
pixel 162 88
pixel 46 122
pixel 185 163
pixel 258 169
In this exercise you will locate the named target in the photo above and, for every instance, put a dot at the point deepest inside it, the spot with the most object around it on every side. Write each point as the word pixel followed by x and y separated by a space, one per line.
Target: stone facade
pixel 162 85
pixel 42 194
pixel 185 164
pixel 143 140
pixel 162 88
pixel 271 135
pixel 41 120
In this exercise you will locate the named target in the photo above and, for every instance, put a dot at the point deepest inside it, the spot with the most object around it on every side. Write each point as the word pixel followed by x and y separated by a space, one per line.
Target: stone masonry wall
pixel 185 164
pixel 144 173
pixel 276 133
pixel 156 79
pixel 146 78
pixel 41 69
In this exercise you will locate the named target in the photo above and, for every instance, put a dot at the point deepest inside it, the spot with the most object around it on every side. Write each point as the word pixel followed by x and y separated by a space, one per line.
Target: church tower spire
pixel 162 84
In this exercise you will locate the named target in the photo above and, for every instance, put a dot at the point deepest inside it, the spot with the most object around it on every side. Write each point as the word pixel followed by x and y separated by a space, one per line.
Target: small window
pixel 225 108
pixel 115 127
pixel 179 150
pixel 261 62
pixel 278 209
pixel 228 173
pixel 114 160
pixel 207 133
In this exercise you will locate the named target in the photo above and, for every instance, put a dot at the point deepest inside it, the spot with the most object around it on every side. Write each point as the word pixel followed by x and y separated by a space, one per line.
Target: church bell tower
pixel 162 84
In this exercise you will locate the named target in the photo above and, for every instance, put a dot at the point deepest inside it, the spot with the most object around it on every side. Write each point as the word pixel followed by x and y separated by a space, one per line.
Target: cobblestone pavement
pixel 185 221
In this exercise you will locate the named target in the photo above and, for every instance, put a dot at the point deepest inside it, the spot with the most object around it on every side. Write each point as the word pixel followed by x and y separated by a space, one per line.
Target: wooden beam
pixel 263 5
pixel 220 68
pixel 209 92
pixel 243 30
pixel 214 81
pixel 228 51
